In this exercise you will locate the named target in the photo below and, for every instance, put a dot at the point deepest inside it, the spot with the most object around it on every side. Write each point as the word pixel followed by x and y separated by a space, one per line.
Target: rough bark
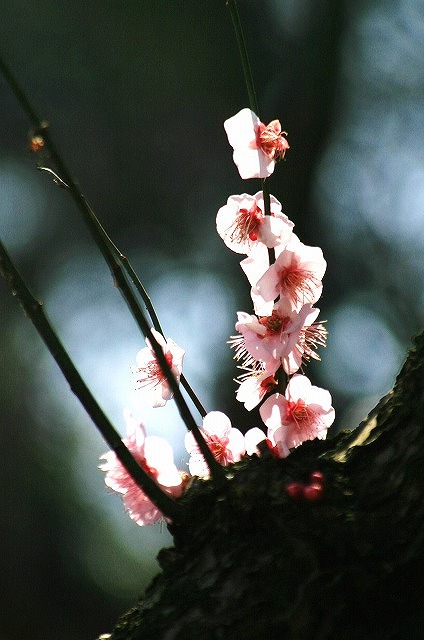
pixel 250 562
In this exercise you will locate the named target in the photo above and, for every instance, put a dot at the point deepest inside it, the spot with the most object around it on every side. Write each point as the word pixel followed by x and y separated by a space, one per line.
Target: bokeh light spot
pixel 362 356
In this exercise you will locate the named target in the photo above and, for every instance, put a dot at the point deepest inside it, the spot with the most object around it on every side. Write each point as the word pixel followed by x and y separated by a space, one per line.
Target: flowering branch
pixel 34 309
pixel 114 260
pixel 277 523
pixel 251 92
pixel 285 278
pixel 282 377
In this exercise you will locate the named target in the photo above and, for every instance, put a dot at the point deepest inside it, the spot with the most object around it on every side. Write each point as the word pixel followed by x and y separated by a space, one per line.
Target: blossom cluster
pixel 285 276
pixel 272 345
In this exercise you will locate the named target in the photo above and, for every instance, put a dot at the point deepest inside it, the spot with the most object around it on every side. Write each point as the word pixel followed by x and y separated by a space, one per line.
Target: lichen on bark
pixel 250 562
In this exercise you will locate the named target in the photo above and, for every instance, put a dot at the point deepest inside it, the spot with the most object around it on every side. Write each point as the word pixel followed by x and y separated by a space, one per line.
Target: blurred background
pixel 136 94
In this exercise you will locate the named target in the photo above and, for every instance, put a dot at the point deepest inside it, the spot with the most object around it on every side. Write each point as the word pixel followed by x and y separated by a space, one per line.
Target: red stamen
pixel 152 373
pixel 298 412
pixel 218 449
pixel 268 384
pixel 297 284
pixel 274 323
pixel 246 225
pixel 270 139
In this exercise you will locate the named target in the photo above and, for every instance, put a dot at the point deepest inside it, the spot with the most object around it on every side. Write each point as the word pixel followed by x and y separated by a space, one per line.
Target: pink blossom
pixel 242 223
pixel 255 384
pixel 149 375
pixel 225 442
pixel 296 274
pixel 285 337
pixel 156 457
pixel 304 412
pixel 256 146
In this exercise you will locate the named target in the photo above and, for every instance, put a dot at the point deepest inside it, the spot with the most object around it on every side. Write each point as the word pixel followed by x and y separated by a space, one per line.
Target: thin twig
pixel 111 256
pixel 34 310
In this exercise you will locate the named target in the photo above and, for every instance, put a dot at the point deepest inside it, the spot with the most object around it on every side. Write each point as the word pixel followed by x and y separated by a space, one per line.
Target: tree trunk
pixel 251 562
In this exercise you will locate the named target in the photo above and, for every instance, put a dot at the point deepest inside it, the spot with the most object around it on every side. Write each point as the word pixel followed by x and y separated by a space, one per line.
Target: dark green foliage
pixel 251 562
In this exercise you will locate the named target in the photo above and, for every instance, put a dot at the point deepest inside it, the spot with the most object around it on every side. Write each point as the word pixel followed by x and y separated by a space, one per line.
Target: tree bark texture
pixel 251 562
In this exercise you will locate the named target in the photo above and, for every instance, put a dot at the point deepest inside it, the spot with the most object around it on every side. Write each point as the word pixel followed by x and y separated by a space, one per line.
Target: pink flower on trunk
pixel 296 275
pixel 256 146
pixel 252 438
pixel 304 412
pixel 156 457
pixel 255 436
pixel 149 375
pixel 242 223
pixel 225 442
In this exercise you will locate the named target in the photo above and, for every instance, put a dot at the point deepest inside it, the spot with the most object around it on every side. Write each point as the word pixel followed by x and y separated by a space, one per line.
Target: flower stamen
pixel 241 353
pixel 270 139
pixel 151 373
pixel 298 284
pixel 310 338
pixel 246 225
pixel 218 448
pixel 274 323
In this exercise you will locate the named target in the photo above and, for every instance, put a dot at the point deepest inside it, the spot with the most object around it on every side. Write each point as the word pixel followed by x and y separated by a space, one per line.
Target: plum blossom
pixel 226 443
pixel 256 146
pixel 296 274
pixel 148 373
pixel 285 337
pixel 156 457
pixel 304 412
pixel 242 223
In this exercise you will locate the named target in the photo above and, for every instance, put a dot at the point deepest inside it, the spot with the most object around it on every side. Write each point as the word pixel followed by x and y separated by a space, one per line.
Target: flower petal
pixel 252 438
pixel 251 161
pixel 236 445
pixel 217 423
